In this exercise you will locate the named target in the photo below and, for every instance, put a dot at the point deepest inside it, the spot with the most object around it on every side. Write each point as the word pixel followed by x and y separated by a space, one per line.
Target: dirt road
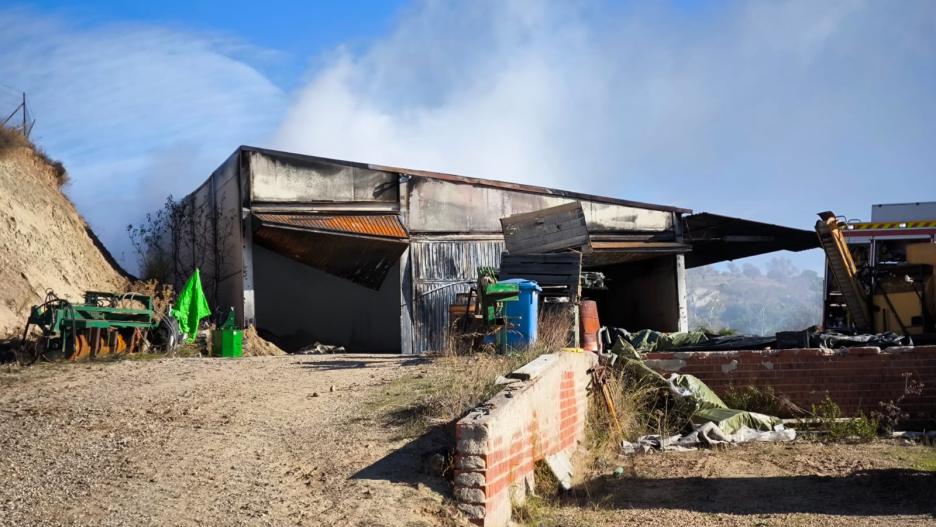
pixel 762 485
pixel 257 441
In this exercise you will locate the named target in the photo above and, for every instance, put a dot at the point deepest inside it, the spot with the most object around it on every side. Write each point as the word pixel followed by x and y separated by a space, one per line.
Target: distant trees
pixel 750 301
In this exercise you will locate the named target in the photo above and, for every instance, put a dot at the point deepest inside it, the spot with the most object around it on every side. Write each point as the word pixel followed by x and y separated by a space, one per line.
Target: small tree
pixel 156 241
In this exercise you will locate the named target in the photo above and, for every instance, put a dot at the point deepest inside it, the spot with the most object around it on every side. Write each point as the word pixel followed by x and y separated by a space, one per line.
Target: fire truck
pixel 880 273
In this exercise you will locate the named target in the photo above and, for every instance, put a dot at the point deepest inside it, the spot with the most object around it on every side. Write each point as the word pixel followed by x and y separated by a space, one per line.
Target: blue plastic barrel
pixel 522 314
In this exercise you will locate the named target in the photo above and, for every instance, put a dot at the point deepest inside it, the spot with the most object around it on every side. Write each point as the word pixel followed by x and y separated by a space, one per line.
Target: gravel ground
pixel 254 441
pixel 760 485
pixel 301 441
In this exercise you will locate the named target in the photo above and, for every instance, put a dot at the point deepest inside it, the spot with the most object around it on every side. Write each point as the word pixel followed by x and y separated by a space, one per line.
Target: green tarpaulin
pixel 708 406
pixel 191 306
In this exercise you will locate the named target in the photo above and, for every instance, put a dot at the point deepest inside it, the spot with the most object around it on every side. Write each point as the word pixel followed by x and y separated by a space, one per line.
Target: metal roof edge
pixel 454 178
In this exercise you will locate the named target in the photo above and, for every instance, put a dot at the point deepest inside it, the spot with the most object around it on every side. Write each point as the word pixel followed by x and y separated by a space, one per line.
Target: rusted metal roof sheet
pixel 361 248
pixel 380 225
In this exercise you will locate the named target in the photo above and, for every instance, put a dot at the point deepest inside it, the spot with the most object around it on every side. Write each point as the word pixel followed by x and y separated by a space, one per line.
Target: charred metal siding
pixel 441 269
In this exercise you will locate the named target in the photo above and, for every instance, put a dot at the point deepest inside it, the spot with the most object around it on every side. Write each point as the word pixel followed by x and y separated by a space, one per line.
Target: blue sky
pixel 767 110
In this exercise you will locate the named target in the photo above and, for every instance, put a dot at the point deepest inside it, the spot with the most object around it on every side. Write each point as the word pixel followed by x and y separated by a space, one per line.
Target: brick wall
pixel 499 442
pixel 855 378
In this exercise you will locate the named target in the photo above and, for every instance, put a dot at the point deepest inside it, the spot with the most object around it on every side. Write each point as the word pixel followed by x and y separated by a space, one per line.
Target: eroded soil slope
pixel 44 242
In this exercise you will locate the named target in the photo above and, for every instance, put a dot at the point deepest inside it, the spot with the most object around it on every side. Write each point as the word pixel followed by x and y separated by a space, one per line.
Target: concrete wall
pixel 210 237
pixel 446 206
pixel 498 446
pixel 229 238
pixel 857 379
pixel 289 178
pixel 302 305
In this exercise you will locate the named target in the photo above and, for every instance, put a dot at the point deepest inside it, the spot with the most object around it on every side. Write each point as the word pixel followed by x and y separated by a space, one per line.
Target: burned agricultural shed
pixel 370 257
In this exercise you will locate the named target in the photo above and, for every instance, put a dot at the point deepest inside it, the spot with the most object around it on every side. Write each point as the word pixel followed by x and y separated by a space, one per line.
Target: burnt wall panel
pixel 196 238
pixel 294 179
pixel 230 253
pixel 445 206
pixel 441 269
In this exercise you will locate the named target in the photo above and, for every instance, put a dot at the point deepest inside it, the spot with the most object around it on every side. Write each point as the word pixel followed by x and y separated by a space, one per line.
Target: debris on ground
pixel 561 467
pixel 705 435
pixel 320 349
pixel 257 346
pixel 648 340
pixel 708 421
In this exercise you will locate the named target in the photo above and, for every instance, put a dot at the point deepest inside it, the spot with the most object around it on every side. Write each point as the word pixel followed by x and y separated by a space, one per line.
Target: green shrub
pixel 829 415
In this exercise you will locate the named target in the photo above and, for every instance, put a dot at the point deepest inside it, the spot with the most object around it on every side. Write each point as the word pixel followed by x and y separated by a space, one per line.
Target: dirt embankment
pixel 44 241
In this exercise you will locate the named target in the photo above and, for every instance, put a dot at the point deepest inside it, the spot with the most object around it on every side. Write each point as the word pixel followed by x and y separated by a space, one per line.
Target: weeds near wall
pixel 761 400
pixel 828 417
pixel 889 413
pixel 454 382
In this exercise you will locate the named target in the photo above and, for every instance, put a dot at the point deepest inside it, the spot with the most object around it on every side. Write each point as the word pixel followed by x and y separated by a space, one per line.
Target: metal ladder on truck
pixel 843 269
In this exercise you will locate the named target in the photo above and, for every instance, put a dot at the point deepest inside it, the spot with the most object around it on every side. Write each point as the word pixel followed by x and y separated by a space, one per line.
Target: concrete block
pixel 470 463
pixel 469 479
pixel 471 447
pixel 468 495
pixel 535 368
pixel 473 512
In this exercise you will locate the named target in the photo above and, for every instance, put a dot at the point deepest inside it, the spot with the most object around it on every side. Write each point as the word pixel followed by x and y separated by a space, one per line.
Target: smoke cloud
pixel 771 110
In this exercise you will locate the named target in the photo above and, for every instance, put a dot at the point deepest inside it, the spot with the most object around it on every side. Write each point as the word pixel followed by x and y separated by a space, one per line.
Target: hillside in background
pixel 752 300
pixel 44 242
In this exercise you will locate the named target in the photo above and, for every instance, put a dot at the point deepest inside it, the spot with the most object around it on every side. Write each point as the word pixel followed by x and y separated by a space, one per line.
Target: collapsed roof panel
pixel 380 225
pixel 716 238
pixel 361 249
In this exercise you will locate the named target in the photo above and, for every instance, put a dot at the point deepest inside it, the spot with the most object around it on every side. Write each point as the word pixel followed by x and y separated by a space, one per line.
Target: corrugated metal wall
pixel 442 268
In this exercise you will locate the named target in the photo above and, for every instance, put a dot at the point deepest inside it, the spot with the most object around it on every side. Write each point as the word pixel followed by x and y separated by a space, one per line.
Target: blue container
pixel 522 314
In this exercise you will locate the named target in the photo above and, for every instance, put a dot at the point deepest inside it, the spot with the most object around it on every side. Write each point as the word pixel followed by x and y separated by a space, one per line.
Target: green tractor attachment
pixel 105 324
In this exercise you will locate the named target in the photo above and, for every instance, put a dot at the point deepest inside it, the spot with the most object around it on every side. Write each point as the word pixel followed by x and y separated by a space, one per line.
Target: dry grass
pixel 453 383
pixel 162 294
pixel 11 140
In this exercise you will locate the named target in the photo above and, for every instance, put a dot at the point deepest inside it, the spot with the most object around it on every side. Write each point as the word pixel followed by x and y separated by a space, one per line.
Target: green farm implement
pixel 104 324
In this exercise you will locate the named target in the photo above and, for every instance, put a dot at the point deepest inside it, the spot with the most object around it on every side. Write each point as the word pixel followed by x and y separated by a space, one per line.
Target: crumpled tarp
pixel 647 340
pixel 707 410
pixel 879 340
pixel 707 434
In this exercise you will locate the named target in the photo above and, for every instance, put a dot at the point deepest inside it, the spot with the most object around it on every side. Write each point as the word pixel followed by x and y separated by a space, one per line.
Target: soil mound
pixel 44 242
